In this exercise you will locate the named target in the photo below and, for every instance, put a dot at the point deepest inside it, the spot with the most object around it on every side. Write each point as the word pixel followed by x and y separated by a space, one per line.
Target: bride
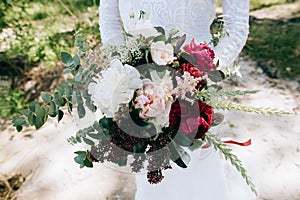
pixel 205 177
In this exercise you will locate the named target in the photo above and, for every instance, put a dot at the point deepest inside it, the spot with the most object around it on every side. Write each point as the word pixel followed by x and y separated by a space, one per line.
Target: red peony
pixel 204 55
pixel 191 120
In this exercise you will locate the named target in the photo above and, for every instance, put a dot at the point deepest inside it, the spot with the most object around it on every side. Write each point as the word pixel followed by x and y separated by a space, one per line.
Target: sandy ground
pixel 273 159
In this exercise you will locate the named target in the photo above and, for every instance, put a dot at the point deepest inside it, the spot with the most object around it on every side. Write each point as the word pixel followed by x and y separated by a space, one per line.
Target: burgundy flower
pixel 204 55
pixel 191 120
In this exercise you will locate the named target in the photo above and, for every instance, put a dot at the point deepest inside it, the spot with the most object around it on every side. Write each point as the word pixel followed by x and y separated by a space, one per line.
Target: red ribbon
pixel 247 143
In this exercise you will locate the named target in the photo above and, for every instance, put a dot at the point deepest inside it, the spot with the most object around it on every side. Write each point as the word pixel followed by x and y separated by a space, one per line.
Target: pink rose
pixel 150 99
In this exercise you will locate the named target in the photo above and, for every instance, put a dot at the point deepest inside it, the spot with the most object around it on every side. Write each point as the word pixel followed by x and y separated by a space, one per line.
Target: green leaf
pixel 19 128
pixel 180 42
pixel 76 60
pixel 81 153
pixel 40 112
pixel 19 121
pixel 66 59
pixel 46 97
pixel 216 76
pixel 60 115
pixel 69 92
pixel 97 126
pixel 218 119
pixel 90 105
pixel 32 106
pixel 88 163
pixel 88 141
pixel 160 30
pixel 39 122
pixel 182 140
pixel 81 111
pixel 159 38
pixel 106 122
pixel 31 119
pixel 139 148
pixel 52 109
pixel 95 136
pixel 70 107
pixel 197 144
pixel 178 155
pixel 188 58
pixel 59 100
pixel 173 32
pixel 25 112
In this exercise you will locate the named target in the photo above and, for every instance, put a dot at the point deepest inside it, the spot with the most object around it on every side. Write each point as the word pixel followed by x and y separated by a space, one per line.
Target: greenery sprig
pixel 238 107
pixel 227 152
pixel 68 93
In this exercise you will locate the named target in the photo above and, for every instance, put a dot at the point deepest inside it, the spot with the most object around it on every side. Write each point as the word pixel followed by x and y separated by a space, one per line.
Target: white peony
pixel 116 86
pixel 162 53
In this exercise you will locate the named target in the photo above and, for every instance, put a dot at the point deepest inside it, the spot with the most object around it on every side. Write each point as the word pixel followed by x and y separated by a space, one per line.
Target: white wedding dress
pixel 204 178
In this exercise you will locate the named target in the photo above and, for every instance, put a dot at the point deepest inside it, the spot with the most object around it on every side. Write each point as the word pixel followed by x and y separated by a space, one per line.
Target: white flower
pixel 142 27
pixel 115 87
pixel 162 53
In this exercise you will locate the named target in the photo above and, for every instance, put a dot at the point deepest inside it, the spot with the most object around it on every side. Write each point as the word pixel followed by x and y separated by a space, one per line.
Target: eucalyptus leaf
pixel 39 122
pixel 88 163
pixel 218 119
pixel 159 38
pixel 52 109
pixel 31 119
pixel 25 112
pixel 70 107
pixel 197 144
pixel 179 44
pixel 182 140
pixel 66 59
pixel 139 148
pixel 19 121
pixel 46 97
pixel 95 136
pixel 76 60
pixel 216 76
pixel 97 126
pixel 160 30
pixel 60 115
pixel 81 111
pixel 173 32
pixel 19 128
pixel 88 141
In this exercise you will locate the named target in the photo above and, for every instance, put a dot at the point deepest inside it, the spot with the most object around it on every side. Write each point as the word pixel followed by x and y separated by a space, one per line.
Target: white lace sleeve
pixel 110 23
pixel 236 22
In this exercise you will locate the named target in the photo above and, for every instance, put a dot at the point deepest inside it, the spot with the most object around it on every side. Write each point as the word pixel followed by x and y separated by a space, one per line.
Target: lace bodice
pixel 192 17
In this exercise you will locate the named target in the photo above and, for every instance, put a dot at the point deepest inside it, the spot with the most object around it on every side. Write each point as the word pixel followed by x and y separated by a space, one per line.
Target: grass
pixel 41 27
pixel 275 45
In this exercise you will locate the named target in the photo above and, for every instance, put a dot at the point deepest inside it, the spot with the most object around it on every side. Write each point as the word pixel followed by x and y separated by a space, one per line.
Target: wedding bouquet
pixel 156 97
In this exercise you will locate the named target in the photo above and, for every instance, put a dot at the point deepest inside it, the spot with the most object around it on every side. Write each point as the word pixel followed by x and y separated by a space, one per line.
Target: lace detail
pixel 192 17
